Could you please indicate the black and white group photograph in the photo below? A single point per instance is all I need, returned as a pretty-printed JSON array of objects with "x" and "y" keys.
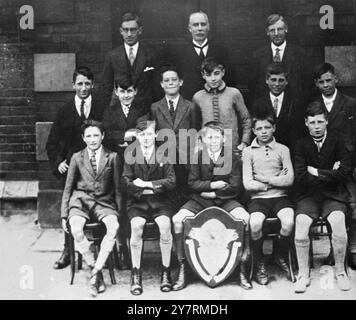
[{"x": 185, "y": 150}]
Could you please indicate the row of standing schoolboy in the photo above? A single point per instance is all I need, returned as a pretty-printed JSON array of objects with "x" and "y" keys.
[{"x": 218, "y": 107}]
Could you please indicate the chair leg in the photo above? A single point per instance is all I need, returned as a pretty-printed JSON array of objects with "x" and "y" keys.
[
  {"x": 72, "y": 258},
  {"x": 311, "y": 254},
  {"x": 80, "y": 261},
  {"x": 251, "y": 264},
  {"x": 116, "y": 257},
  {"x": 290, "y": 264},
  {"x": 111, "y": 263}
]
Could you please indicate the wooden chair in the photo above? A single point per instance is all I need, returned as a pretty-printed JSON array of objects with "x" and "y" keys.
[
  {"x": 94, "y": 232},
  {"x": 271, "y": 227}
]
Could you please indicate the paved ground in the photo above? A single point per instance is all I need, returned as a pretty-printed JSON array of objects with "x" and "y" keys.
[{"x": 27, "y": 254}]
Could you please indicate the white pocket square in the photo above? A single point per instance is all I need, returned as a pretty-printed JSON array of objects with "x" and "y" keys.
[{"x": 148, "y": 69}]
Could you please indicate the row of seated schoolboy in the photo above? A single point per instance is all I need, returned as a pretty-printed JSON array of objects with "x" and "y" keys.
[{"x": 217, "y": 107}]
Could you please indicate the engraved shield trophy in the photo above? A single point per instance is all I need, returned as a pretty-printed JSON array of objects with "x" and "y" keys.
[{"x": 213, "y": 243}]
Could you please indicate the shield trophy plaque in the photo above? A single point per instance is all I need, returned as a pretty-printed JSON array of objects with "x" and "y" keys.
[{"x": 214, "y": 242}]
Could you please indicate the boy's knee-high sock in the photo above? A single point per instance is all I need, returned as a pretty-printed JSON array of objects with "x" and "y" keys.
[
  {"x": 339, "y": 245},
  {"x": 105, "y": 248},
  {"x": 84, "y": 248},
  {"x": 165, "y": 243},
  {"x": 180, "y": 246},
  {"x": 302, "y": 247},
  {"x": 136, "y": 250}
]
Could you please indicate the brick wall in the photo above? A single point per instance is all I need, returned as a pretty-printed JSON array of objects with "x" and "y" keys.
[
  {"x": 17, "y": 113},
  {"x": 90, "y": 29}
]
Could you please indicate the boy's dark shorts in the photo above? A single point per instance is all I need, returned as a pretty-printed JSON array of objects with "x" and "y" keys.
[
  {"x": 195, "y": 207},
  {"x": 316, "y": 206},
  {"x": 269, "y": 206},
  {"x": 144, "y": 210},
  {"x": 98, "y": 213}
]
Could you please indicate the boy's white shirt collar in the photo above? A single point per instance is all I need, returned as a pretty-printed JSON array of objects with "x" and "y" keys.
[
  {"x": 175, "y": 101},
  {"x": 214, "y": 155},
  {"x": 97, "y": 156},
  {"x": 322, "y": 141},
  {"x": 134, "y": 47},
  {"x": 149, "y": 152},
  {"x": 281, "y": 48},
  {"x": 87, "y": 105},
  {"x": 205, "y": 49},
  {"x": 280, "y": 101},
  {"x": 126, "y": 109},
  {"x": 329, "y": 102}
]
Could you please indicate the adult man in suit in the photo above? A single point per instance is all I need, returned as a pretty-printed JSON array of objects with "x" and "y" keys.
[
  {"x": 65, "y": 136},
  {"x": 341, "y": 110},
  {"x": 322, "y": 164},
  {"x": 196, "y": 51},
  {"x": 92, "y": 193},
  {"x": 134, "y": 58},
  {"x": 279, "y": 50},
  {"x": 288, "y": 110}
]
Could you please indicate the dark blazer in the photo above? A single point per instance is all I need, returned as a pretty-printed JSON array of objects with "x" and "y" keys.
[
  {"x": 160, "y": 173},
  {"x": 143, "y": 73},
  {"x": 293, "y": 58},
  {"x": 290, "y": 122},
  {"x": 342, "y": 119},
  {"x": 84, "y": 189},
  {"x": 116, "y": 123},
  {"x": 187, "y": 116},
  {"x": 189, "y": 63},
  {"x": 65, "y": 136},
  {"x": 329, "y": 182},
  {"x": 206, "y": 171}
]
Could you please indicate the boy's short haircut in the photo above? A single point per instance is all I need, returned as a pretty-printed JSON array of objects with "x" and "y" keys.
[
  {"x": 214, "y": 125},
  {"x": 145, "y": 124},
  {"x": 276, "y": 68},
  {"x": 92, "y": 123},
  {"x": 315, "y": 108},
  {"x": 273, "y": 18},
  {"x": 168, "y": 67},
  {"x": 323, "y": 68},
  {"x": 84, "y": 71},
  {"x": 261, "y": 116},
  {"x": 124, "y": 82},
  {"x": 130, "y": 16},
  {"x": 209, "y": 64}
]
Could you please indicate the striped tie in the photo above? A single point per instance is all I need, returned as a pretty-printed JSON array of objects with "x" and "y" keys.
[
  {"x": 171, "y": 109},
  {"x": 93, "y": 161},
  {"x": 277, "y": 56},
  {"x": 82, "y": 114}
]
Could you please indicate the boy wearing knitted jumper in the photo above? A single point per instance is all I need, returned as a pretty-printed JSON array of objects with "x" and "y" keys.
[
  {"x": 217, "y": 102},
  {"x": 267, "y": 173}
]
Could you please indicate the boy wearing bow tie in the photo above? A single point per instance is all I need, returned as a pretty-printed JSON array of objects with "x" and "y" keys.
[{"x": 92, "y": 193}]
